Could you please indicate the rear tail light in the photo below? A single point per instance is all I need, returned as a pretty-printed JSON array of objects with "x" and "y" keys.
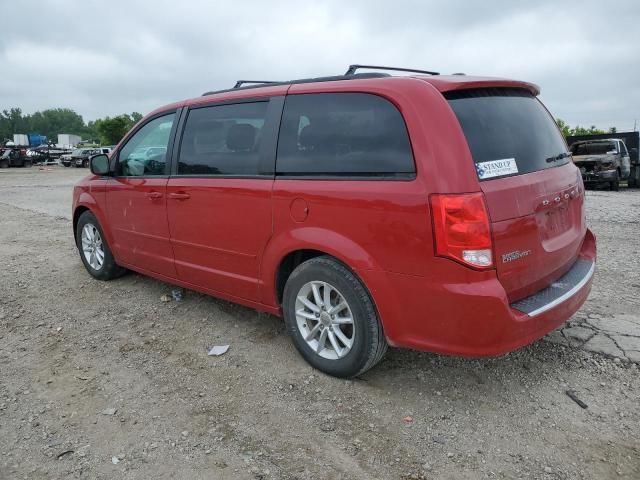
[{"x": 461, "y": 228}]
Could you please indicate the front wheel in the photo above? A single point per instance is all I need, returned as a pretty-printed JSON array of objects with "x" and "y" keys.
[
  {"x": 614, "y": 185},
  {"x": 27, "y": 164},
  {"x": 331, "y": 318},
  {"x": 4, "y": 163},
  {"x": 94, "y": 250},
  {"x": 85, "y": 163}
]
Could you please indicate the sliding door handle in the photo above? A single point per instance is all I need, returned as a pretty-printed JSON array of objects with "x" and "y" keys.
[
  {"x": 154, "y": 195},
  {"x": 179, "y": 196}
]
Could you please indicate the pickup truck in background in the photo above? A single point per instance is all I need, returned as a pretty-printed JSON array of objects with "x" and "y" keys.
[
  {"x": 603, "y": 161},
  {"x": 11, "y": 156},
  {"x": 596, "y": 153},
  {"x": 80, "y": 157}
]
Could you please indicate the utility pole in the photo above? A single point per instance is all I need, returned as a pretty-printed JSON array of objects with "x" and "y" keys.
[{"x": 635, "y": 124}]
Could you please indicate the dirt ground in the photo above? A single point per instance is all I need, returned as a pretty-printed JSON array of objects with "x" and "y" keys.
[{"x": 103, "y": 380}]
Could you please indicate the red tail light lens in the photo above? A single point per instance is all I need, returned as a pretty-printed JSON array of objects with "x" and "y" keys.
[{"x": 461, "y": 228}]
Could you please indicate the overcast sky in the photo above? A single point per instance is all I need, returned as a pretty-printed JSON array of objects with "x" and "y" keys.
[{"x": 109, "y": 57}]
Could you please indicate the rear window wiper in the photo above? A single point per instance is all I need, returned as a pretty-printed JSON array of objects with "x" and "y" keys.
[{"x": 560, "y": 156}]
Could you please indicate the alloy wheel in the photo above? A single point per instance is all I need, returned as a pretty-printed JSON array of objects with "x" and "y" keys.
[
  {"x": 92, "y": 247},
  {"x": 325, "y": 320}
]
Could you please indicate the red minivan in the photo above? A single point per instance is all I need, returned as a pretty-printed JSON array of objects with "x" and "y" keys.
[{"x": 433, "y": 212}]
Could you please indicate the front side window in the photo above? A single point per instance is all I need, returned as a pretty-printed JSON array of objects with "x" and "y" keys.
[
  {"x": 623, "y": 149},
  {"x": 223, "y": 140},
  {"x": 350, "y": 134},
  {"x": 145, "y": 153}
]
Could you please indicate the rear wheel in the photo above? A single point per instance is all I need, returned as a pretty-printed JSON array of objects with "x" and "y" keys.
[
  {"x": 331, "y": 318},
  {"x": 94, "y": 250},
  {"x": 4, "y": 163},
  {"x": 85, "y": 163},
  {"x": 27, "y": 164}
]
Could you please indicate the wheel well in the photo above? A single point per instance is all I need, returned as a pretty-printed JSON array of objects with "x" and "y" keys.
[
  {"x": 76, "y": 215},
  {"x": 289, "y": 264}
]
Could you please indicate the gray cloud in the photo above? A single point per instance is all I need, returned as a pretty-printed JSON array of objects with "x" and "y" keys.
[{"x": 104, "y": 58}]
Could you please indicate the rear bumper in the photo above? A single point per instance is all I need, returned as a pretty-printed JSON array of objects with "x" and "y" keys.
[{"x": 474, "y": 318}]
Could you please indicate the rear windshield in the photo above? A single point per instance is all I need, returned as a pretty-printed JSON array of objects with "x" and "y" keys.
[
  {"x": 509, "y": 131},
  {"x": 594, "y": 148}
]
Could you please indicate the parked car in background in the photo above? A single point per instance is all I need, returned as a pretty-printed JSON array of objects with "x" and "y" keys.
[
  {"x": 433, "y": 212},
  {"x": 80, "y": 157},
  {"x": 65, "y": 159},
  {"x": 602, "y": 162}
]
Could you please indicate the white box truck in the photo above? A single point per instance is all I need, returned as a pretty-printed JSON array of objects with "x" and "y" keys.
[
  {"x": 20, "y": 139},
  {"x": 66, "y": 140}
]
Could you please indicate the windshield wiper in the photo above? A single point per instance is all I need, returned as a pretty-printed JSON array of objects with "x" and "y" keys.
[{"x": 560, "y": 156}]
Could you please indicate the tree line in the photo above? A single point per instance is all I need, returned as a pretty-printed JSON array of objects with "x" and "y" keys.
[
  {"x": 567, "y": 131},
  {"x": 51, "y": 122}
]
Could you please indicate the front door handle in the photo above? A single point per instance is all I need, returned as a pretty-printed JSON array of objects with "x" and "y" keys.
[
  {"x": 179, "y": 196},
  {"x": 154, "y": 195}
]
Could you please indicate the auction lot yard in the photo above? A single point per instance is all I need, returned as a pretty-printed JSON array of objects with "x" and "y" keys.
[{"x": 103, "y": 380}]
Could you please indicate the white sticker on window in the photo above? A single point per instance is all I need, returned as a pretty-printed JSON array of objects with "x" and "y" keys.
[{"x": 496, "y": 168}]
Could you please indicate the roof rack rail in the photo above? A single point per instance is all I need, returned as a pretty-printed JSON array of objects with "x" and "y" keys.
[
  {"x": 352, "y": 69},
  {"x": 334, "y": 78},
  {"x": 239, "y": 83}
]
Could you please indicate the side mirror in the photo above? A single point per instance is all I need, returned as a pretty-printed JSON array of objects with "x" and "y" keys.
[{"x": 99, "y": 164}]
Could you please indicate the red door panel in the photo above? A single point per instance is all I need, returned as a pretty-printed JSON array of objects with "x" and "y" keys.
[
  {"x": 137, "y": 213},
  {"x": 219, "y": 227}
]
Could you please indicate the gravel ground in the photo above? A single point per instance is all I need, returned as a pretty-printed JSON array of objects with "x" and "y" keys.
[{"x": 103, "y": 380}]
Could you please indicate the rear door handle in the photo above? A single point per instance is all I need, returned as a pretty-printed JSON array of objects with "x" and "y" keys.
[
  {"x": 154, "y": 195},
  {"x": 179, "y": 196}
]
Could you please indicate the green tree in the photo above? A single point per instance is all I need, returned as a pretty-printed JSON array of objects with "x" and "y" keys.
[
  {"x": 12, "y": 121},
  {"x": 111, "y": 130},
  {"x": 53, "y": 121},
  {"x": 135, "y": 118},
  {"x": 564, "y": 128},
  {"x": 578, "y": 130}
]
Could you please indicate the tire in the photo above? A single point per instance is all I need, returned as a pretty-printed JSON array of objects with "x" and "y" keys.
[
  {"x": 108, "y": 269},
  {"x": 614, "y": 185},
  {"x": 4, "y": 164},
  {"x": 85, "y": 163},
  {"x": 27, "y": 164},
  {"x": 368, "y": 344},
  {"x": 67, "y": 165}
]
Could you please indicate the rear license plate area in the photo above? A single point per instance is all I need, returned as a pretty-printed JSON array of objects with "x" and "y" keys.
[{"x": 556, "y": 221}]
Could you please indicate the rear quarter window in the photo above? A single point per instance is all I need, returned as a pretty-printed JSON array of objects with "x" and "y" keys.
[
  {"x": 343, "y": 134},
  {"x": 509, "y": 125}
]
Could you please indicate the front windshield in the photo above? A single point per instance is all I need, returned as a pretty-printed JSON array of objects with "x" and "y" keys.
[
  {"x": 593, "y": 148},
  {"x": 77, "y": 152}
]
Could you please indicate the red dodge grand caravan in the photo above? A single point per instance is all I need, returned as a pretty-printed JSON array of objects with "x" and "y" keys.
[{"x": 433, "y": 212}]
